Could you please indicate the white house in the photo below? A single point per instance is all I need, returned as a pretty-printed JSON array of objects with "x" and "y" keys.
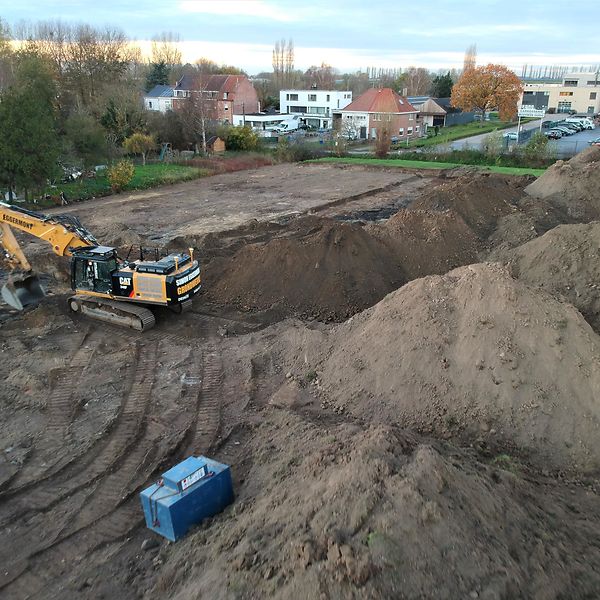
[
  {"x": 159, "y": 98},
  {"x": 313, "y": 106}
]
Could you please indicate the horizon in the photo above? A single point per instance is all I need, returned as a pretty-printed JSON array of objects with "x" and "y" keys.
[{"x": 243, "y": 32}]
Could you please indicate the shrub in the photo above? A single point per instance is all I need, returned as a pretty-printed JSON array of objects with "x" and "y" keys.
[
  {"x": 240, "y": 138},
  {"x": 537, "y": 146},
  {"x": 297, "y": 152},
  {"x": 120, "y": 174}
]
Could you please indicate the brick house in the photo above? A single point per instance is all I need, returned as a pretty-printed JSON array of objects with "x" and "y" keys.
[
  {"x": 376, "y": 110},
  {"x": 226, "y": 95}
]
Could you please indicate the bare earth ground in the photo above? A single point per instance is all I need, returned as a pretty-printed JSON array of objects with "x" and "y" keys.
[{"x": 442, "y": 444}]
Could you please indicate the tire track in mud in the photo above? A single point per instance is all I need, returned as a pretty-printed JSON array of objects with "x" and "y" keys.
[
  {"x": 111, "y": 511},
  {"x": 61, "y": 408},
  {"x": 49, "y": 494}
]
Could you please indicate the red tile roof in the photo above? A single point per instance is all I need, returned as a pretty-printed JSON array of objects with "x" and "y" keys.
[{"x": 380, "y": 100}]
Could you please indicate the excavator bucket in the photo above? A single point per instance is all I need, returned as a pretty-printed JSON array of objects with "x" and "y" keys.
[{"x": 22, "y": 291}]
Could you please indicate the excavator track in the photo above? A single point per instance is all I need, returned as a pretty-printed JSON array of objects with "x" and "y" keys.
[{"x": 112, "y": 311}]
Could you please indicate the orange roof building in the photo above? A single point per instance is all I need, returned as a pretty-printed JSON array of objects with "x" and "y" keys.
[{"x": 376, "y": 110}]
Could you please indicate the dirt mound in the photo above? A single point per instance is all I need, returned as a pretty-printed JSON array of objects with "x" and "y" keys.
[
  {"x": 479, "y": 200},
  {"x": 573, "y": 185},
  {"x": 352, "y": 513},
  {"x": 324, "y": 269},
  {"x": 474, "y": 354},
  {"x": 427, "y": 242},
  {"x": 566, "y": 262}
]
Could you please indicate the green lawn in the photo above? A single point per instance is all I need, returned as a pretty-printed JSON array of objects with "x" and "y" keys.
[
  {"x": 421, "y": 164},
  {"x": 145, "y": 177},
  {"x": 458, "y": 132}
]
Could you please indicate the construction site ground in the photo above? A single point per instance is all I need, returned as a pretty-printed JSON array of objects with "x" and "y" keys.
[{"x": 401, "y": 368}]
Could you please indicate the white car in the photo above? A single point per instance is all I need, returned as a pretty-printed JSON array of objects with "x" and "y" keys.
[{"x": 511, "y": 135}]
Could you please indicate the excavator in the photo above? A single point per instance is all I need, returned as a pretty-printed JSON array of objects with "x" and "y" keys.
[{"x": 106, "y": 287}]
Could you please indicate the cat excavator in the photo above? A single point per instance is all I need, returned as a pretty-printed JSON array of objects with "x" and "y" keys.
[{"x": 106, "y": 287}]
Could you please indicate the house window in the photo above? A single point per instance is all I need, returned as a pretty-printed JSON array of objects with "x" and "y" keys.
[
  {"x": 564, "y": 106},
  {"x": 149, "y": 104},
  {"x": 417, "y": 128},
  {"x": 225, "y": 95},
  {"x": 592, "y": 95},
  {"x": 401, "y": 131},
  {"x": 292, "y": 96},
  {"x": 565, "y": 93},
  {"x": 312, "y": 97},
  {"x": 411, "y": 117},
  {"x": 592, "y": 82},
  {"x": 409, "y": 131},
  {"x": 571, "y": 82},
  {"x": 297, "y": 109},
  {"x": 327, "y": 97}
]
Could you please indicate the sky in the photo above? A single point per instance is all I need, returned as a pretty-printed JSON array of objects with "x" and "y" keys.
[{"x": 348, "y": 35}]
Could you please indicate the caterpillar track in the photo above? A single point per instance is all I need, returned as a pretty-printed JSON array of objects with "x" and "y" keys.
[{"x": 114, "y": 312}]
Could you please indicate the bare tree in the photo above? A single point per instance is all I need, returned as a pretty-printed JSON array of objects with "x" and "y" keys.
[
  {"x": 283, "y": 63},
  {"x": 165, "y": 48},
  {"x": 470, "y": 61},
  {"x": 5, "y": 55},
  {"x": 199, "y": 110},
  {"x": 417, "y": 81},
  {"x": 322, "y": 78}
]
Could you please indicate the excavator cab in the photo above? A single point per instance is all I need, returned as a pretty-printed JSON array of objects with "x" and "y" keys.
[
  {"x": 92, "y": 269},
  {"x": 22, "y": 290}
]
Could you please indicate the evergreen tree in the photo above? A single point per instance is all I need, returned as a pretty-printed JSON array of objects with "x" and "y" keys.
[
  {"x": 442, "y": 86},
  {"x": 158, "y": 75},
  {"x": 29, "y": 145}
]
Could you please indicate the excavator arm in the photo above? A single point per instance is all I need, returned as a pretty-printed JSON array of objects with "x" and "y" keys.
[{"x": 63, "y": 232}]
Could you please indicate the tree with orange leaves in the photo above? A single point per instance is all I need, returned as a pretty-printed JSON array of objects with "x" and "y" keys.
[{"x": 488, "y": 87}]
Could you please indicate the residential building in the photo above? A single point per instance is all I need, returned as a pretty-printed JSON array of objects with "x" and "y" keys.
[
  {"x": 314, "y": 107},
  {"x": 225, "y": 95},
  {"x": 376, "y": 110},
  {"x": 159, "y": 98},
  {"x": 430, "y": 111},
  {"x": 579, "y": 92}
]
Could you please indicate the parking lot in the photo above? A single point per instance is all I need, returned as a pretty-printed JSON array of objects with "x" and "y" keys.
[{"x": 572, "y": 144}]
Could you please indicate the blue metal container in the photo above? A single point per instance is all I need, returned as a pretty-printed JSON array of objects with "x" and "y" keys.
[{"x": 193, "y": 490}]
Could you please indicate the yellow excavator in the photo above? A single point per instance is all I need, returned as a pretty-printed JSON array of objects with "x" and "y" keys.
[{"x": 106, "y": 287}]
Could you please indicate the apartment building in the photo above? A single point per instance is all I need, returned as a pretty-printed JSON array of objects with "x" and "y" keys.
[{"x": 314, "y": 107}]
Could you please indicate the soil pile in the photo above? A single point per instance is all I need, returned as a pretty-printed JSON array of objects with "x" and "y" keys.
[
  {"x": 566, "y": 262},
  {"x": 474, "y": 355},
  {"x": 480, "y": 200},
  {"x": 347, "y": 512},
  {"x": 428, "y": 243},
  {"x": 324, "y": 269},
  {"x": 573, "y": 185}
]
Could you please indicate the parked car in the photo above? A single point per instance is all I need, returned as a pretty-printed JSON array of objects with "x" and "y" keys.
[
  {"x": 565, "y": 130},
  {"x": 595, "y": 142},
  {"x": 511, "y": 135},
  {"x": 553, "y": 134},
  {"x": 546, "y": 124}
]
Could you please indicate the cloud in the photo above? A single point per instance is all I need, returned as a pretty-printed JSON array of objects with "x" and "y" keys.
[{"x": 235, "y": 8}]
